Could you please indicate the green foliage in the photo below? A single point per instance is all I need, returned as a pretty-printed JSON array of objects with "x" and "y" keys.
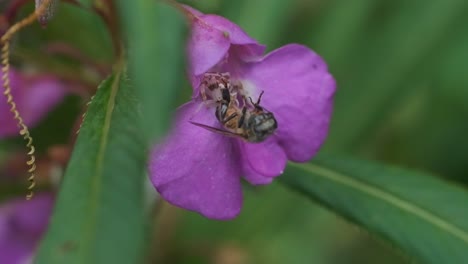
[
  {"x": 93, "y": 40},
  {"x": 99, "y": 214},
  {"x": 421, "y": 214},
  {"x": 391, "y": 50},
  {"x": 265, "y": 18},
  {"x": 86, "y": 3},
  {"x": 154, "y": 32},
  {"x": 104, "y": 177},
  {"x": 400, "y": 68}
]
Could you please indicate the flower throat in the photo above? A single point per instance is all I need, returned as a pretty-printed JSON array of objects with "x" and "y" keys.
[{"x": 238, "y": 114}]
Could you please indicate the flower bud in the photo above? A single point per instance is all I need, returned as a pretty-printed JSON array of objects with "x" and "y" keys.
[{"x": 45, "y": 15}]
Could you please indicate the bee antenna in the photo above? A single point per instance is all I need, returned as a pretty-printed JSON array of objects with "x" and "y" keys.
[
  {"x": 257, "y": 104},
  {"x": 259, "y": 98},
  {"x": 251, "y": 101}
]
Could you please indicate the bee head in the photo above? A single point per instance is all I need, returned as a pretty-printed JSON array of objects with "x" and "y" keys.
[{"x": 261, "y": 126}]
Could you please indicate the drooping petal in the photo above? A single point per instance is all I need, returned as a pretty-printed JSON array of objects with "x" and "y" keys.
[
  {"x": 198, "y": 169},
  {"x": 267, "y": 158},
  {"x": 22, "y": 224},
  {"x": 299, "y": 92},
  {"x": 34, "y": 98}
]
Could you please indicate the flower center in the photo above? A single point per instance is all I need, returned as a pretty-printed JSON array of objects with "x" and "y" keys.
[
  {"x": 216, "y": 86},
  {"x": 236, "y": 111}
]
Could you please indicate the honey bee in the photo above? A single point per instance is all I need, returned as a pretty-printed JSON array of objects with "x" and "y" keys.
[{"x": 248, "y": 120}]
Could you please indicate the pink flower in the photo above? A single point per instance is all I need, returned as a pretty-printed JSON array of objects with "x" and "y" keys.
[
  {"x": 22, "y": 224},
  {"x": 201, "y": 170},
  {"x": 34, "y": 96}
]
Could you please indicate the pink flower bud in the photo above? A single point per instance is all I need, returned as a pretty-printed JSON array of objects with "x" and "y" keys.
[{"x": 48, "y": 13}]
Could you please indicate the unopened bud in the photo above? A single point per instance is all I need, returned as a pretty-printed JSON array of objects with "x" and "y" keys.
[{"x": 45, "y": 13}]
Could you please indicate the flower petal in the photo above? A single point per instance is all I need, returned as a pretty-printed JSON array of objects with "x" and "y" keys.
[
  {"x": 267, "y": 158},
  {"x": 254, "y": 177},
  {"x": 43, "y": 95},
  {"x": 206, "y": 47},
  {"x": 40, "y": 207},
  {"x": 197, "y": 169},
  {"x": 211, "y": 38},
  {"x": 34, "y": 98},
  {"x": 299, "y": 92},
  {"x": 246, "y": 48},
  {"x": 235, "y": 33},
  {"x": 22, "y": 224}
]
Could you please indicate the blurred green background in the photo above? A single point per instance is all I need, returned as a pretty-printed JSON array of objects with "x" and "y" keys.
[{"x": 402, "y": 99}]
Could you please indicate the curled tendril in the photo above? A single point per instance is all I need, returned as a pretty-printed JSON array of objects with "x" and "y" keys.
[{"x": 5, "y": 60}]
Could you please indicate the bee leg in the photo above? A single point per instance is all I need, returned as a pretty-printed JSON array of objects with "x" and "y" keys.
[
  {"x": 229, "y": 118},
  {"x": 242, "y": 118},
  {"x": 226, "y": 95}
]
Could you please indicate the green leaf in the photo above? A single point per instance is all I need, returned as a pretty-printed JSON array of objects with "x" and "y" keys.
[
  {"x": 266, "y": 19},
  {"x": 341, "y": 23},
  {"x": 155, "y": 35},
  {"x": 375, "y": 66},
  {"x": 93, "y": 42},
  {"x": 99, "y": 216},
  {"x": 86, "y": 3},
  {"x": 420, "y": 214}
]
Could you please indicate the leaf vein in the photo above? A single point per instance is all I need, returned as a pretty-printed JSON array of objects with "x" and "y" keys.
[
  {"x": 97, "y": 178},
  {"x": 389, "y": 198}
]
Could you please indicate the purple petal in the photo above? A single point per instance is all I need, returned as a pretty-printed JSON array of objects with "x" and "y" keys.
[
  {"x": 246, "y": 53},
  {"x": 206, "y": 47},
  {"x": 252, "y": 176},
  {"x": 43, "y": 95},
  {"x": 33, "y": 216},
  {"x": 299, "y": 91},
  {"x": 267, "y": 158},
  {"x": 34, "y": 98},
  {"x": 211, "y": 38},
  {"x": 197, "y": 169},
  {"x": 245, "y": 48},
  {"x": 235, "y": 33},
  {"x": 22, "y": 224}
]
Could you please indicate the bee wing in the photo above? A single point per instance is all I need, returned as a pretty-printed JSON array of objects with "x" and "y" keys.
[{"x": 217, "y": 130}]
